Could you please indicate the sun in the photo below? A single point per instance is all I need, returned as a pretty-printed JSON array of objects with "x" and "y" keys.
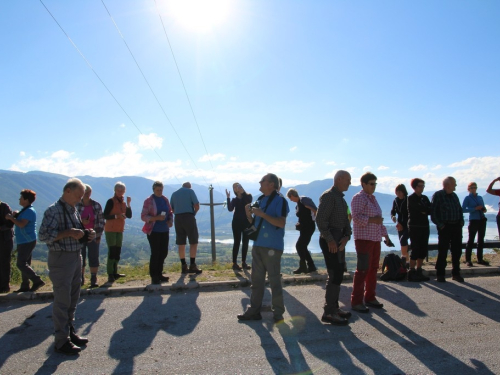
[{"x": 199, "y": 15}]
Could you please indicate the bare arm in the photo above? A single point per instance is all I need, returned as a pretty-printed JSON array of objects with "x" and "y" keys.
[{"x": 490, "y": 189}]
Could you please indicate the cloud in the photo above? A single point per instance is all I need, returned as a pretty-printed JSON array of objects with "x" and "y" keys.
[
  {"x": 419, "y": 167},
  {"x": 61, "y": 154},
  {"x": 150, "y": 141},
  {"x": 294, "y": 148},
  {"x": 213, "y": 157},
  {"x": 367, "y": 168},
  {"x": 123, "y": 125},
  {"x": 382, "y": 168},
  {"x": 331, "y": 163},
  {"x": 22, "y": 153},
  {"x": 435, "y": 168}
]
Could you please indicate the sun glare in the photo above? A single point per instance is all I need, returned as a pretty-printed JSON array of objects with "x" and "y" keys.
[{"x": 199, "y": 15}]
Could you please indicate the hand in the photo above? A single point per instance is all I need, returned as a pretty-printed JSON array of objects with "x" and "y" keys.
[
  {"x": 393, "y": 219},
  {"x": 228, "y": 194},
  {"x": 170, "y": 223},
  {"x": 479, "y": 208},
  {"x": 76, "y": 233},
  {"x": 92, "y": 235},
  {"x": 399, "y": 227},
  {"x": 332, "y": 247},
  {"x": 128, "y": 201},
  {"x": 9, "y": 217},
  {"x": 257, "y": 212},
  {"x": 123, "y": 216}
]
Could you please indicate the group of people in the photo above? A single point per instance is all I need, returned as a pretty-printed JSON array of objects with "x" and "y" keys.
[{"x": 73, "y": 226}]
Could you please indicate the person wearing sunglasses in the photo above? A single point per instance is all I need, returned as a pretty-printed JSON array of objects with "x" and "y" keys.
[{"x": 474, "y": 205}]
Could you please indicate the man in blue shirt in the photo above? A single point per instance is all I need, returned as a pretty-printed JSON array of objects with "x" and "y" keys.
[
  {"x": 270, "y": 220},
  {"x": 185, "y": 205}
]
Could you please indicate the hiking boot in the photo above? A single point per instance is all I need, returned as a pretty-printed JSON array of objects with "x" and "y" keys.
[
  {"x": 37, "y": 285},
  {"x": 376, "y": 304},
  {"x": 22, "y": 290},
  {"x": 194, "y": 269},
  {"x": 164, "y": 278},
  {"x": 92, "y": 286},
  {"x": 77, "y": 340},
  {"x": 468, "y": 263},
  {"x": 483, "y": 262},
  {"x": 311, "y": 269},
  {"x": 118, "y": 275},
  {"x": 334, "y": 319},
  {"x": 249, "y": 317},
  {"x": 421, "y": 276},
  {"x": 111, "y": 278},
  {"x": 441, "y": 279},
  {"x": 236, "y": 267},
  {"x": 184, "y": 268},
  {"x": 458, "y": 278},
  {"x": 68, "y": 348},
  {"x": 245, "y": 266},
  {"x": 360, "y": 308},
  {"x": 302, "y": 268},
  {"x": 412, "y": 275},
  {"x": 343, "y": 314}
]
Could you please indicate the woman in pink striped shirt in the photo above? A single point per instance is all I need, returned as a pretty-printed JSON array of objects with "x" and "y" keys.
[{"x": 368, "y": 231}]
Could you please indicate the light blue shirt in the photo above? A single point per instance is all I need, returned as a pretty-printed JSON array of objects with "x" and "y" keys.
[
  {"x": 270, "y": 235},
  {"x": 28, "y": 233},
  {"x": 183, "y": 200}
]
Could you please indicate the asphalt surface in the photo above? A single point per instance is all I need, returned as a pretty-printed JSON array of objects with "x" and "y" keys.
[{"x": 427, "y": 328}]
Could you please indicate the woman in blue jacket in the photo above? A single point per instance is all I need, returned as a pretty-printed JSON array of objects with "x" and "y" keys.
[{"x": 474, "y": 205}]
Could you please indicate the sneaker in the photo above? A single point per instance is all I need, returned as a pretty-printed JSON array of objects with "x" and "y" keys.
[
  {"x": 164, "y": 279},
  {"x": 194, "y": 269},
  {"x": 360, "y": 308},
  {"x": 249, "y": 317},
  {"x": 118, "y": 275},
  {"x": 37, "y": 285},
  {"x": 92, "y": 286},
  {"x": 334, "y": 319},
  {"x": 311, "y": 269},
  {"x": 458, "y": 278},
  {"x": 412, "y": 275},
  {"x": 22, "y": 290},
  {"x": 375, "y": 304},
  {"x": 278, "y": 319},
  {"x": 68, "y": 348},
  {"x": 344, "y": 314},
  {"x": 184, "y": 268},
  {"x": 246, "y": 266},
  {"x": 77, "y": 340},
  {"x": 469, "y": 264},
  {"x": 111, "y": 278},
  {"x": 421, "y": 276},
  {"x": 155, "y": 282},
  {"x": 236, "y": 267},
  {"x": 483, "y": 262},
  {"x": 441, "y": 279}
]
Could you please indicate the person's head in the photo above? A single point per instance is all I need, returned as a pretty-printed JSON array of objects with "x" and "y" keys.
[
  {"x": 73, "y": 191},
  {"x": 293, "y": 195},
  {"x": 418, "y": 185},
  {"x": 472, "y": 188},
  {"x": 120, "y": 189},
  {"x": 449, "y": 184},
  {"x": 269, "y": 183},
  {"x": 368, "y": 182},
  {"x": 88, "y": 192},
  {"x": 27, "y": 197},
  {"x": 158, "y": 188},
  {"x": 342, "y": 180},
  {"x": 238, "y": 189},
  {"x": 186, "y": 185},
  {"x": 401, "y": 191}
]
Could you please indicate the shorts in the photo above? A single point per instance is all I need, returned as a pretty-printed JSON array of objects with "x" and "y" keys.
[
  {"x": 185, "y": 226},
  {"x": 403, "y": 237},
  {"x": 93, "y": 252}
]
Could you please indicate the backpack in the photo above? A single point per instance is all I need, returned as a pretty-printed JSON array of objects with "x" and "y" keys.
[{"x": 393, "y": 268}]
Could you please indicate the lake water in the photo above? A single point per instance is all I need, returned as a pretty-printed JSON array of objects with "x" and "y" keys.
[{"x": 291, "y": 237}]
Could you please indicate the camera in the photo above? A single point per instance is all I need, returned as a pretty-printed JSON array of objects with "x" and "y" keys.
[
  {"x": 85, "y": 238},
  {"x": 255, "y": 204}
]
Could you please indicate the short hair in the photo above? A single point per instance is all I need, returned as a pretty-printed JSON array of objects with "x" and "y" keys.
[
  {"x": 415, "y": 181},
  {"x": 28, "y": 195},
  {"x": 274, "y": 179},
  {"x": 187, "y": 185},
  {"x": 157, "y": 183},
  {"x": 367, "y": 177},
  {"x": 401, "y": 188},
  {"x": 470, "y": 184},
  {"x": 88, "y": 187},
  {"x": 340, "y": 173},
  {"x": 119, "y": 185},
  {"x": 292, "y": 192},
  {"x": 448, "y": 179},
  {"x": 73, "y": 183}
]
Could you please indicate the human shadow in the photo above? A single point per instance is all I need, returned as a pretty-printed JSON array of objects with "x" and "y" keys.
[{"x": 178, "y": 316}]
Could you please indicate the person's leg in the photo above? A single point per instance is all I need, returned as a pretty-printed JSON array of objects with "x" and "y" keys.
[
  {"x": 358, "y": 284},
  {"x": 335, "y": 277},
  {"x": 371, "y": 276},
  {"x": 443, "y": 244},
  {"x": 473, "y": 228},
  {"x": 301, "y": 247},
  {"x": 6, "y": 245},
  {"x": 456, "y": 248},
  {"x": 272, "y": 258},
  {"x": 236, "y": 240},
  {"x": 84, "y": 260},
  {"x": 118, "y": 254},
  {"x": 164, "y": 240},
  {"x": 93, "y": 255},
  {"x": 24, "y": 252},
  {"x": 244, "y": 244},
  {"x": 481, "y": 232},
  {"x": 154, "y": 259},
  {"x": 111, "y": 242},
  {"x": 258, "y": 279},
  {"x": 74, "y": 265}
]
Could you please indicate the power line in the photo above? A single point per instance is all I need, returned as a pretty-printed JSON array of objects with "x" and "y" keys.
[
  {"x": 102, "y": 82},
  {"x": 187, "y": 96},
  {"x": 151, "y": 89}
]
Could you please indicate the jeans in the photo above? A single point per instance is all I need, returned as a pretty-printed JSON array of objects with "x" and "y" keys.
[
  {"x": 158, "y": 241},
  {"x": 335, "y": 270},
  {"x": 365, "y": 276},
  {"x": 24, "y": 252},
  {"x": 238, "y": 234},
  {"x": 303, "y": 242},
  {"x": 475, "y": 227}
]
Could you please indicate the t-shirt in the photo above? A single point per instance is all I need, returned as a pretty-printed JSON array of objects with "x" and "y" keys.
[
  {"x": 161, "y": 206},
  {"x": 270, "y": 235},
  {"x": 88, "y": 213},
  {"x": 28, "y": 233},
  {"x": 182, "y": 201}
]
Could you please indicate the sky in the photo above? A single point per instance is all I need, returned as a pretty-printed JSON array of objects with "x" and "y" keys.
[{"x": 215, "y": 92}]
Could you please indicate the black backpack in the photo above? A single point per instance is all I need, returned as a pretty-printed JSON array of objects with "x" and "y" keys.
[{"x": 393, "y": 268}]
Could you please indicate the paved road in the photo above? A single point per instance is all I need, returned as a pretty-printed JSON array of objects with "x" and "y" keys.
[{"x": 429, "y": 328}]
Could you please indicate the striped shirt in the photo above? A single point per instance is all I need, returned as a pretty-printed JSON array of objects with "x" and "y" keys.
[
  {"x": 365, "y": 206},
  {"x": 59, "y": 217}
]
